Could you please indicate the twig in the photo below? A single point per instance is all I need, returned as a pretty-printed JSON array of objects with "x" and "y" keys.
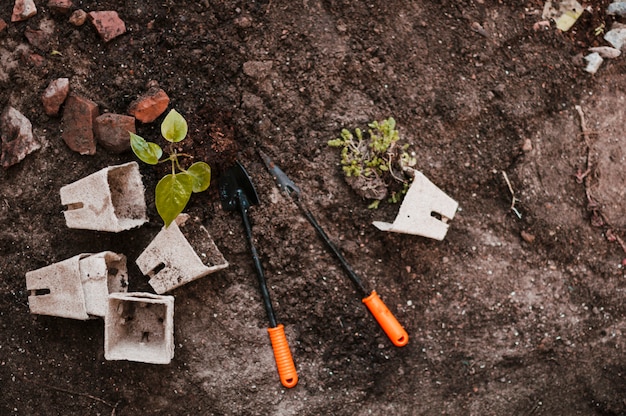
[
  {"x": 73, "y": 393},
  {"x": 513, "y": 199},
  {"x": 598, "y": 217},
  {"x": 584, "y": 176}
]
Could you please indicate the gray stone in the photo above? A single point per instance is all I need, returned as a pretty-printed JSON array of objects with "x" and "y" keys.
[
  {"x": 617, "y": 8},
  {"x": 616, "y": 37}
]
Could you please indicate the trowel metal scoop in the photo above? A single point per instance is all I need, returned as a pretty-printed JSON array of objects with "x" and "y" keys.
[
  {"x": 387, "y": 321},
  {"x": 237, "y": 193}
]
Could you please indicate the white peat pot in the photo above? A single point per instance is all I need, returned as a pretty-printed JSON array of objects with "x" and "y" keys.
[
  {"x": 111, "y": 199},
  {"x": 171, "y": 261},
  {"x": 139, "y": 327},
  {"x": 421, "y": 205},
  {"x": 77, "y": 287}
]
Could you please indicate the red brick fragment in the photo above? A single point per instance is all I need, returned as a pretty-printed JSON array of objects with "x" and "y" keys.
[
  {"x": 108, "y": 24},
  {"x": 60, "y": 6},
  {"x": 54, "y": 96},
  {"x": 23, "y": 9},
  {"x": 150, "y": 105},
  {"x": 78, "y": 119}
]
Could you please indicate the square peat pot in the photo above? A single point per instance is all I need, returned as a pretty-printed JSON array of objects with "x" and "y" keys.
[
  {"x": 77, "y": 287},
  {"x": 111, "y": 199},
  {"x": 170, "y": 260},
  {"x": 139, "y": 327}
]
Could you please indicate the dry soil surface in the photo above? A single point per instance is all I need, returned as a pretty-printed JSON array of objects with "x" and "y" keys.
[{"x": 518, "y": 311}]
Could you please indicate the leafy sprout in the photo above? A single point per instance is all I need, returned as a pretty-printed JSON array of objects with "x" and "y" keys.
[
  {"x": 373, "y": 161},
  {"x": 174, "y": 190}
]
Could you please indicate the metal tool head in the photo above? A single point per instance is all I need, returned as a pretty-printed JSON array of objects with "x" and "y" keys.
[
  {"x": 283, "y": 182},
  {"x": 236, "y": 188}
]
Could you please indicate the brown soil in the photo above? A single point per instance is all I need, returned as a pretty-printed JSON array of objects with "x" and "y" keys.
[{"x": 509, "y": 315}]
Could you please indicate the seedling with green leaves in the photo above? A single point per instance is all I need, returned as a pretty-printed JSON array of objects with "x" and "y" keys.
[
  {"x": 173, "y": 190},
  {"x": 373, "y": 162}
]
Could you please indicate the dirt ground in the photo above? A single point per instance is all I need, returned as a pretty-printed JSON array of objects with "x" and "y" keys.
[{"x": 516, "y": 312}]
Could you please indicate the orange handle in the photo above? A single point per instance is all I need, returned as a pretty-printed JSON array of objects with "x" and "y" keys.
[
  {"x": 386, "y": 320},
  {"x": 282, "y": 354}
]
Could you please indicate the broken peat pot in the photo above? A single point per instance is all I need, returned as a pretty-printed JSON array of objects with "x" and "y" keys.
[
  {"x": 418, "y": 213},
  {"x": 385, "y": 318},
  {"x": 237, "y": 193}
]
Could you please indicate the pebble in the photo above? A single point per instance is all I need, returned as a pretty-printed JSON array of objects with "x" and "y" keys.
[
  {"x": 3, "y": 25},
  {"x": 78, "y": 117},
  {"x": 112, "y": 131},
  {"x": 243, "y": 22},
  {"x": 528, "y": 237},
  {"x": 78, "y": 18},
  {"x": 23, "y": 9},
  {"x": 150, "y": 105},
  {"x": 38, "y": 38},
  {"x": 594, "y": 60},
  {"x": 60, "y": 6},
  {"x": 527, "y": 146},
  {"x": 108, "y": 24},
  {"x": 54, "y": 96},
  {"x": 17, "y": 137}
]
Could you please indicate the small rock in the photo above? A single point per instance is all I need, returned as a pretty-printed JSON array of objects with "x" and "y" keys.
[
  {"x": 78, "y": 118},
  {"x": 54, "y": 96},
  {"x": 78, "y": 18},
  {"x": 3, "y": 25},
  {"x": 616, "y": 37},
  {"x": 60, "y": 6},
  {"x": 617, "y": 8},
  {"x": 112, "y": 131},
  {"x": 257, "y": 69},
  {"x": 108, "y": 24},
  {"x": 527, "y": 145},
  {"x": 528, "y": 237},
  {"x": 17, "y": 137},
  {"x": 606, "y": 51},
  {"x": 38, "y": 38},
  {"x": 34, "y": 59},
  {"x": 243, "y": 22},
  {"x": 594, "y": 60},
  {"x": 23, "y": 9},
  {"x": 150, "y": 105}
]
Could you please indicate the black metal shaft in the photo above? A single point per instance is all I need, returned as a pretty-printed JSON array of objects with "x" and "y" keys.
[
  {"x": 346, "y": 266},
  {"x": 265, "y": 294}
]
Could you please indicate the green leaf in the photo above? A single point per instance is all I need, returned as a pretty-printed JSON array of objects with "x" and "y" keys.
[
  {"x": 201, "y": 174},
  {"x": 147, "y": 152},
  {"x": 172, "y": 194},
  {"x": 174, "y": 127}
]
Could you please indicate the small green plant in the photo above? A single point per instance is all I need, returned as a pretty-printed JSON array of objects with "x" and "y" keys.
[
  {"x": 173, "y": 190},
  {"x": 372, "y": 161}
]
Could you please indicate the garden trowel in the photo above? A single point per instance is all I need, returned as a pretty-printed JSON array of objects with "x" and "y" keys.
[
  {"x": 237, "y": 193},
  {"x": 374, "y": 303}
]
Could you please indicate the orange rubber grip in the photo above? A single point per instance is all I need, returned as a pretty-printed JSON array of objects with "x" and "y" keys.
[
  {"x": 386, "y": 320},
  {"x": 282, "y": 354}
]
